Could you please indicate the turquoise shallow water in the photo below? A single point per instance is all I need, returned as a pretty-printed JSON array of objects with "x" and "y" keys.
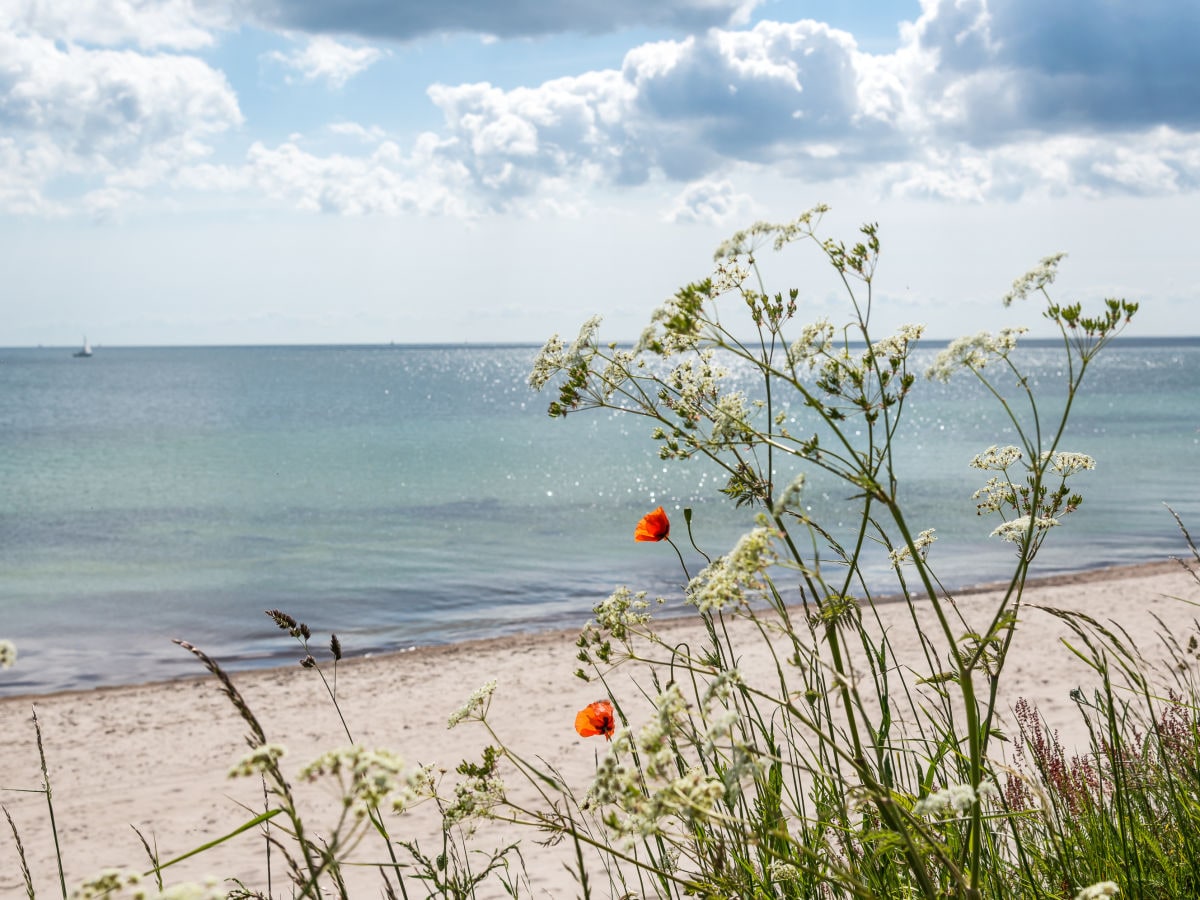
[{"x": 414, "y": 495}]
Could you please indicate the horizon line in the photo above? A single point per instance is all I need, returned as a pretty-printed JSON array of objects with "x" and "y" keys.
[{"x": 485, "y": 344}]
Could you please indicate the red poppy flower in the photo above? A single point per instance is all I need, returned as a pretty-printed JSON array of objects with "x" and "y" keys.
[
  {"x": 655, "y": 526},
  {"x": 596, "y": 718}
]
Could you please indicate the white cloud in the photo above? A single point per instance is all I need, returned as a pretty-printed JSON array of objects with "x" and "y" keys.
[
  {"x": 372, "y": 135},
  {"x": 105, "y": 203},
  {"x": 24, "y": 167},
  {"x": 979, "y": 103},
  {"x": 115, "y": 116},
  {"x": 511, "y": 141},
  {"x": 709, "y": 203},
  {"x": 324, "y": 59},
  {"x": 983, "y": 100},
  {"x": 1160, "y": 162},
  {"x": 178, "y": 24},
  {"x": 385, "y": 182},
  {"x": 797, "y": 94}
]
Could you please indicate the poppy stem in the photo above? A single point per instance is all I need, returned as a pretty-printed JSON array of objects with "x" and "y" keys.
[
  {"x": 687, "y": 520},
  {"x": 681, "y": 562}
]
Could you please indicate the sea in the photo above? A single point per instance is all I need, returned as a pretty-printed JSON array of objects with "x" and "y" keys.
[{"x": 403, "y": 496}]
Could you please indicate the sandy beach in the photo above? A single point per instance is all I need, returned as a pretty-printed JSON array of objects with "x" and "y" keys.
[{"x": 156, "y": 756}]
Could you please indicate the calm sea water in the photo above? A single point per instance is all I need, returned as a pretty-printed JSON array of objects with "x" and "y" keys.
[{"x": 412, "y": 495}]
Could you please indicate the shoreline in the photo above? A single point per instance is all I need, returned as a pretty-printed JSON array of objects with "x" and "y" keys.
[
  {"x": 521, "y": 638},
  {"x": 157, "y": 755}
]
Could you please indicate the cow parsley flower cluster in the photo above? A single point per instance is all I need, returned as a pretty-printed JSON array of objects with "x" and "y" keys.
[
  {"x": 921, "y": 542},
  {"x": 782, "y": 872},
  {"x": 474, "y": 799},
  {"x": 367, "y": 777},
  {"x": 997, "y": 459},
  {"x": 955, "y": 800},
  {"x": 694, "y": 386},
  {"x": 1035, "y": 279},
  {"x": 555, "y": 357},
  {"x": 814, "y": 342},
  {"x": 994, "y": 496},
  {"x": 896, "y": 346},
  {"x": 1000, "y": 494},
  {"x": 1067, "y": 464},
  {"x": 548, "y": 363},
  {"x": 618, "y": 370},
  {"x": 125, "y": 884},
  {"x": 973, "y": 352},
  {"x": 1098, "y": 891},
  {"x": 623, "y": 610},
  {"x": 732, "y": 579},
  {"x": 789, "y": 500},
  {"x": 731, "y": 419},
  {"x": 475, "y": 707},
  {"x": 728, "y": 276},
  {"x": 613, "y": 779},
  {"x": 261, "y": 759},
  {"x": 639, "y": 811},
  {"x": 655, "y": 738},
  {"x": 1014, "y": 530}
]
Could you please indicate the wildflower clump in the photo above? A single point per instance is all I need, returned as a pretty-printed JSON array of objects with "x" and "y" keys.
[
  {"x": 635, "y": 813},
  {"x": 1032, "y": 504},
  {"x": 817, "y": 780},
  {"x": 788, "y": 747}
]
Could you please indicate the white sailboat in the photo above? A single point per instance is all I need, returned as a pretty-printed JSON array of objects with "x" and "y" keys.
[{"x": 87, "y": 348}]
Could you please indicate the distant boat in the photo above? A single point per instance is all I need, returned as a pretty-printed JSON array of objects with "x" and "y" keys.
[{"x": 87, "y": 349}]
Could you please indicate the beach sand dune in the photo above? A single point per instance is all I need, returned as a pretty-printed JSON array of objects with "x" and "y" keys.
[{"x": 156, "y": 756}]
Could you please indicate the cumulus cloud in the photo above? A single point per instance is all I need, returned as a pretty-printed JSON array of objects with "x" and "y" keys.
[
  {"x": 24, "y": 167},
  {"x": 386, "y": 182},
  {"x": 176, "y": 24},
  {"x": 709, "y": 203},
  {"x": 508, "y": 141},
  {"x": 1006, "y": 66},
  {"x": 982, "y": 99},
  {"x": 423, "y": 181},
  {"x": 324, "y": 59},
  {"x": 115, "y": 115},
  {"x": 372, "y": 135},
  {"x": 797, "y": 94},
  {"x": 386, "y": 19},
  {"x": 1161, "y": 161}
]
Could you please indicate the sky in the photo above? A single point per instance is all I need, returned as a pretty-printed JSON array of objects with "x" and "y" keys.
[{"x": 373, "y": 171}]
